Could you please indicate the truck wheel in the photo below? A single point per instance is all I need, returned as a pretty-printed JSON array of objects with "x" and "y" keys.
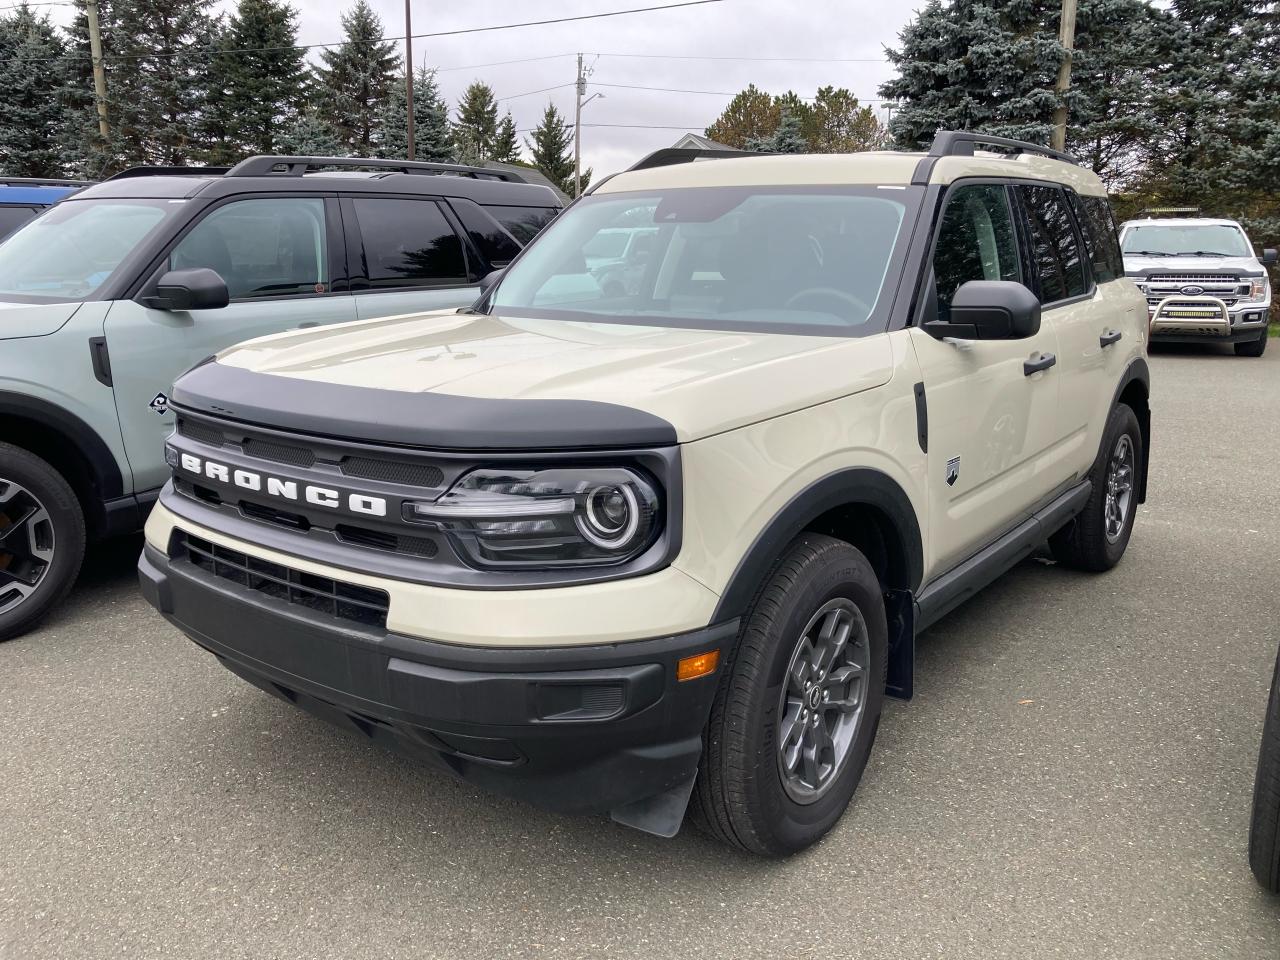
[
  {"x": 1264, "y": 834},
  {"x": 797, "y": 709},
  {"x": 1096, "y": 539},
  {"x": 41, "y": 539},
  {"x": 1252, "y": 348}
]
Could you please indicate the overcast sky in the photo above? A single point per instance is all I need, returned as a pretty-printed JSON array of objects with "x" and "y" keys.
[{"x": 812, "y": 30}]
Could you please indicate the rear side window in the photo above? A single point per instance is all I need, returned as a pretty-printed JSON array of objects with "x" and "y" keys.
[
  {"x": 1100, "y": 241},
  {"x": 1055, "y": 250},
  {"x": 523, "y": 222},
  {"x": 11, "y": 218},
  {"x": 491, "y": 239},
  {"x": 261, "y": 248},
  {"x": 976, "y": 241},
  {"x": 408, "y": 243}
]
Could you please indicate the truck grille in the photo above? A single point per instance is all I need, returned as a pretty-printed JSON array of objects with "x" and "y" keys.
[
  {"x": 344, "y": 601},
  {"x": 1227, "y": 288}
]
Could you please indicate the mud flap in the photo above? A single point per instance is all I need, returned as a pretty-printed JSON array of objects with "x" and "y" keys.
[
  {"x": 900, "y": 608},
  {"x": 661, "y": 814}
]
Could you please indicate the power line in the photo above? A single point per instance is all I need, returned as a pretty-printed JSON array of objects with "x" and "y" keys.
[
  {"x": 674, "y": 56},
  {"x": 502, "y": 63},
  {"x": 709, "y": 93},
  {"x": 517, "y": 96},
  {"x": 396, "y": 39}
]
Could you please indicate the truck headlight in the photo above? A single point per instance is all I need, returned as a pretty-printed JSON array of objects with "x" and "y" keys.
[
  {"x": 560, "y": 516},
  {"x": 1259, "y": 287}
]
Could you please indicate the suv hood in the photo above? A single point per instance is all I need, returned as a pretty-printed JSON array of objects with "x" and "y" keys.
[
  {"x": 699, "y": 381},
  {"x": 1146, "y": 266},
  {"x": 33, "y": 319}
]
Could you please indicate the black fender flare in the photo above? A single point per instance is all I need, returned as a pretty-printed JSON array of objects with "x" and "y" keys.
[
  {"x": 1139, "y": 371},
  {"x": 93, "y": 451},
  {"x": 850, "y": 487}
]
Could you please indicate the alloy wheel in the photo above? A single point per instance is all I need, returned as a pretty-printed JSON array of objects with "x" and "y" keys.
[
  {"x": 822, "y": 700},
  {"x": 1119, "y": 498},
  {"x": 26, "y": 544}
]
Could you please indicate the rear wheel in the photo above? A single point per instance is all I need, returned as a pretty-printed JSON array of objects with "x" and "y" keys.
[
  {"x": 1264, "y": 834},
  {"x": 41, "y": 539},
  {"x": 796, "y": 714},
  {"x": 1253, "y": 348},
  {"x": 1096, "y": 539}
]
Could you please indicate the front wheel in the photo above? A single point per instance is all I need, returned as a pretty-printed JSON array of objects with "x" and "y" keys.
[
  {"x": 1096, "y": 539},
  {"x": 796, "y": 713},
  {"x": 41, "y": 539},
  {"x": 1253, "y": 348},
  {"x": 1264, "y": 834}
]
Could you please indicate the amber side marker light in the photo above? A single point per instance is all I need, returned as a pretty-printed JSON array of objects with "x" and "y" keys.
[{"x": 699, "y": 665}]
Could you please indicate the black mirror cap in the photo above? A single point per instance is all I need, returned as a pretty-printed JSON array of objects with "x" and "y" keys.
[
  {"x": 995, "y": 310},
  {"x": 196, "y": 289},
  {"x": 1269, "y": 256}
]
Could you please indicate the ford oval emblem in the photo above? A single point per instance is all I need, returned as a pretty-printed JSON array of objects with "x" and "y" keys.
[{"x": 1191, "y": 290}]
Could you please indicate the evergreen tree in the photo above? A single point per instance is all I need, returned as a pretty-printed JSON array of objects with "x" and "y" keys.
[
  {"x": 551, "y": 151},
  {"x": 788, "y": 138},
  {"x": 431, "y": 138},
  {"x": 476, "y": 129},
  {"x": 506, "y": 148},
  {"x": 84, "y": 152},
  {"x": 32, "y": 80},
  {"x": 264, "y": 76},
  {"x": 356, "y": 78},
  {"x": 310, "y": 135}
]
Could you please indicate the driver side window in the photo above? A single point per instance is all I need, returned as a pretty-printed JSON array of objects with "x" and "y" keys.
[
  {"x": 976, "y": 241},
  {"x": 261, "y": 248}
]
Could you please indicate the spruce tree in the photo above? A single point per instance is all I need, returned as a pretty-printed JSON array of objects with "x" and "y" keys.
[
  {"x": 355, "y": 79},
  {"x": 551, "y": 151},
  {"x": 32, "y": 80},
  {"x": 430, "y": 120},
  {"x": 476, "y": 129},
  {"x": 506, "y": 148},
  {"x": 788, "y": 138},
  {"x": 310, "y": 135},
  {"x": 264, "y": 74}
]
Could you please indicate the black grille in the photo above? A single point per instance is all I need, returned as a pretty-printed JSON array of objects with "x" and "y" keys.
[
  {"x": 344, "y": 601},
  {"x": 361, "y": 536},
  {"x": 393, "y": 471},
  {"x": 202, "y": 432},
  {"x": 279, "y": 452}
]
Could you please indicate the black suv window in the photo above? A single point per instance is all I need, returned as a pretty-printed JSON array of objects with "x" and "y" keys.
[
  {"x": 493, "y": 242},
  {"x": 976, "y": 241},
  {"x": 261, "y": 248},
  {"x": 1055, "y": 250},
  {"x": 11, "y": 218},
  {"x": 1100, "y": 241},
  {"x": 408, "y": 243},
  {"x": 523, "y": 222}
]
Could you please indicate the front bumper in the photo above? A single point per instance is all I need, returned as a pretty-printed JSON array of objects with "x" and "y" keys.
[
  {"x": 584, "y": 729},
  {"x": 1206, "y": 319}
]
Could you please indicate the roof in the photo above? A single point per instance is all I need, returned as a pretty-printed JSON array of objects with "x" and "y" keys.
[
  {"x": 869, "y": 168},
  {"x": 39, "y": 195}
]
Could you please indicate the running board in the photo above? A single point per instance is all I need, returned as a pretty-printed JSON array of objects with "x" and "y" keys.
[{"x": 961, "y": 582}]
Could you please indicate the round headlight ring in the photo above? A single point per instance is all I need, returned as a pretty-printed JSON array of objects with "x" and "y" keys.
[{"x": 602, "y": 523}]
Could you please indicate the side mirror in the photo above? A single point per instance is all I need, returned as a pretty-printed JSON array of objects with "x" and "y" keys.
[
  {"x": 196, "y": 289},
  {"x": 990, "y": 310},
  {"x": 1269, "y": 256}
]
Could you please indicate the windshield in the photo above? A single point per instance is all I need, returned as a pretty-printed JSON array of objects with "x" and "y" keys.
[
  {"x": 68, "y": 253},
  {"x": 794, "y": 260},
  {"x": 1187, "y": 240}
]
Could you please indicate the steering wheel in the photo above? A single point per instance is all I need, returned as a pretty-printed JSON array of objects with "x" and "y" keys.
[{"x": 829, "y": 293}]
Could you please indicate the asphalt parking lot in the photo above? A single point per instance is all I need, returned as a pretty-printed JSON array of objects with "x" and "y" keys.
[{"x": 1072, "y": 780}]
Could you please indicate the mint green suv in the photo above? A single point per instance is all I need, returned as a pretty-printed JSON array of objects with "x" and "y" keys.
[{"x": 110, "y": 294}]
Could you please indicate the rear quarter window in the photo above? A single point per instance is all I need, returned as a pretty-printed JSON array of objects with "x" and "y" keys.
[
  {"x": 1101, "y": 243},
  {"x": 524, "y": 223}
]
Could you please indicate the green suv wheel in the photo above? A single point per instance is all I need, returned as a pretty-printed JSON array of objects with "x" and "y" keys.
[{"x": 41, "y": 539}]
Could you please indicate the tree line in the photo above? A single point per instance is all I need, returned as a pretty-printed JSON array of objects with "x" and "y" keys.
[{"x": 186, "y": 86}]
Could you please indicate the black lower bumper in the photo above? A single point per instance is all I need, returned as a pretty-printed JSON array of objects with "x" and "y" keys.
[{"x": 578, "y": 730}]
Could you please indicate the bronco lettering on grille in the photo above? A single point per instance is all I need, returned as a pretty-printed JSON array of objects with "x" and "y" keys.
[{"x": 284, "y": 489}]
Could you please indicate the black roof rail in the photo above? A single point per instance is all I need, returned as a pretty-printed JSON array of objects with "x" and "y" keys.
[
  {"x": 961, "y": 143},
  {"x": 672, "y": 155},
  {"x": 42, "y": 182},
  {"x": 159, "y": 171},
  {"x": 269, "y": 166}
]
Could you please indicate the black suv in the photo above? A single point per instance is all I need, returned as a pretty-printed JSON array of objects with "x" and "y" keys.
[{"x": 112, "y": 293}]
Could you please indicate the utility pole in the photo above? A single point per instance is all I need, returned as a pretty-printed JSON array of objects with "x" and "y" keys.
[
  {"x": 577, "y": 132},
  {"x": 99, "y": 77},
  {"x": 1067, "y": 37},
  {"x": 408, "y": 74}
]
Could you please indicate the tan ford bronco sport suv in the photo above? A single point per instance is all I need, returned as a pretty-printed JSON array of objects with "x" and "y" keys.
[{"x": 664, "y": 547}]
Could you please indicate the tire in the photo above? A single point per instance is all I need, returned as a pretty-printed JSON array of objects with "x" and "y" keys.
[
  {"x": 743, "y": 796},
  {"x": 1089, "y": 542},
  {"x": 1253, "y": 348},
  {"x": 1264, "y": 832},
  {"x": 42, "y": 525}
]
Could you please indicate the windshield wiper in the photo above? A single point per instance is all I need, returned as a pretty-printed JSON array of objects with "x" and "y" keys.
[
  {"x": 1202, "y": 253},
  {"x": 1149, "y": 253}
]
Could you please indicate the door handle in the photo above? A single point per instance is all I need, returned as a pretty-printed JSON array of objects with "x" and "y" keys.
[
  {"x": 1109, "y": 337},
  {"x": 1043, "y": 362}
]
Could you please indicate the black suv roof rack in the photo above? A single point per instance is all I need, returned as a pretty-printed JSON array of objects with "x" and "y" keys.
[
  {"x": 269, "y": 166},
  {"x": 961, "y": 143},
  {"x": 160, "y": 171},
  {"x": 42, "y": 182},
  {"x": 672, "y": 155}
]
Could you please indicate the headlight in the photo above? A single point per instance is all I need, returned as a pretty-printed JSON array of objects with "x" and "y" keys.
[
  {"x": 550, "y": 517},
  {"x": 1258, "y": 289}
]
